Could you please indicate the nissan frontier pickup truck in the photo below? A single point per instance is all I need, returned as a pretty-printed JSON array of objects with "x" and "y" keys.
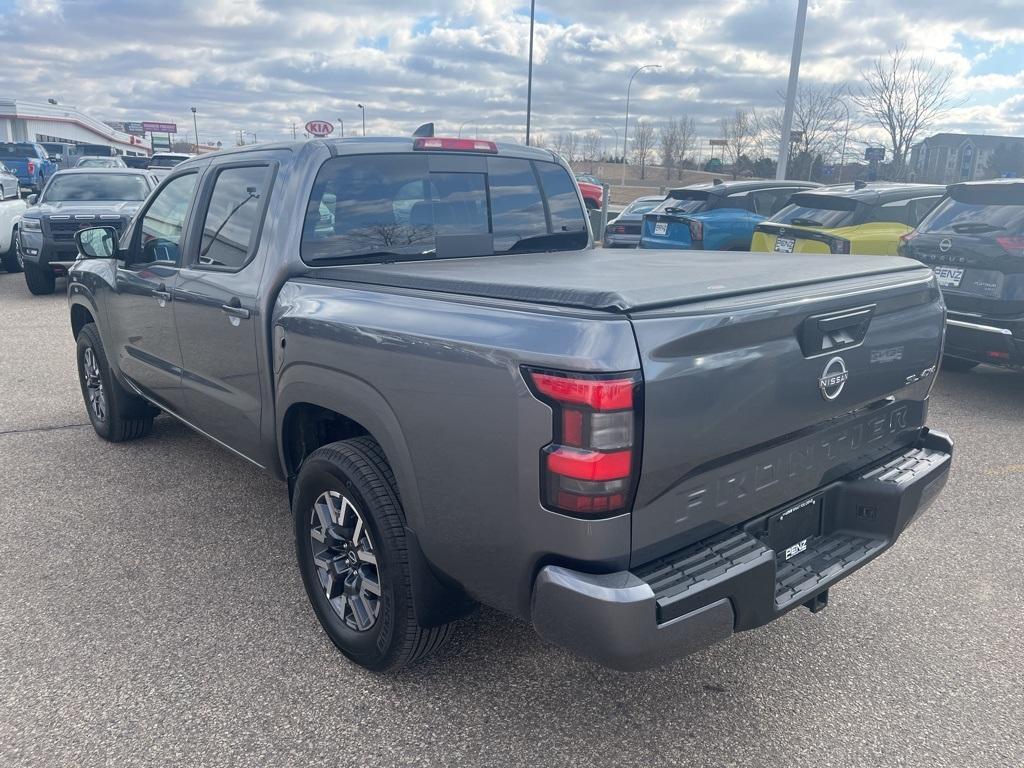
[{"x": 638, "y": 454}]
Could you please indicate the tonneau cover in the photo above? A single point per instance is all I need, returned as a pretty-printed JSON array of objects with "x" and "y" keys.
[{"x": 617, "y": 280}]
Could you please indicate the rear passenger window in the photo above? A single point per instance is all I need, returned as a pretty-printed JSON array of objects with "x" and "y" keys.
[
  {"x": 895, "y": 211},
  {"x": 232, "y": 217}
]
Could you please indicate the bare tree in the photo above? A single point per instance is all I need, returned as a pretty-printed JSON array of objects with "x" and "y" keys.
[
  {"x": 738, "y": 132},
  {"x": 643, "y": 145},
  {"x": 905, "y": 97},
  {"x": 593, "y": 146},
  {"x": 820, "y": 126},
  {"x": 687, "y": 141},
  {"x": 571, "y": 144},
  {"x": 668, "y": 146}
]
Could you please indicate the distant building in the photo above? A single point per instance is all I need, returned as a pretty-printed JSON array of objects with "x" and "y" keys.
[
  {"x": 947, "y": 158},
  {"x": 42, "y": 122}
]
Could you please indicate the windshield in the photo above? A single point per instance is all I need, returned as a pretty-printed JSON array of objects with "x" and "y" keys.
[
  {"x": 17, "y": 152},
  {"x": 641, "y": 206},
  {"x": 817, "y": 211},
  {"x": 83, "y": 187},
  {"x": 392, "y": 207},
  {"x": 974, "y": 218}
]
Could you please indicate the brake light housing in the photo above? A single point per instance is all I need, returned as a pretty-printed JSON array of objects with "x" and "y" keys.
[
  {"x": 696, "y": 230},
  {"x": 438, "y": 144},
  {"x": 839, "y": 245},
  {"x": 590, "y": 467},
  {"x": 31, "y": 167}
]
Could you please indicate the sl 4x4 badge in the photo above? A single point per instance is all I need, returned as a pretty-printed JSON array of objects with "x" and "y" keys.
[{"x": 833, "y": 378}]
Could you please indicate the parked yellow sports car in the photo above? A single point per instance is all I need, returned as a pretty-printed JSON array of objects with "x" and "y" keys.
[{"x": 865, "y": 218}]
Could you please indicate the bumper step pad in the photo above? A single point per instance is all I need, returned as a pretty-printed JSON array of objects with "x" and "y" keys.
[{"x": 824, "y": 558}]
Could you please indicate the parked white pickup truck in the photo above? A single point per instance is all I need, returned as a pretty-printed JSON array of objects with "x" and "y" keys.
[{"x": 10, "y": 218}]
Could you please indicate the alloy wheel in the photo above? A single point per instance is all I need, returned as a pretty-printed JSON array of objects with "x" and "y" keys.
[
  {"x": 345, "y": 560},
  {"x": 94, "y": 385}
]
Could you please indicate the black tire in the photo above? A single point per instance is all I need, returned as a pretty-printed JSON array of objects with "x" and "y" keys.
[
  {"x": 123, "y": 416},
  {"x": 9, "y": 260},
  {"x": 958, "y": 364},
  {"x": 40, "y": 282},
  {"x": 357, "y": 471}
]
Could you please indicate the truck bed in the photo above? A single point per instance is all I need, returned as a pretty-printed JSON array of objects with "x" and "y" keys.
[{"x": 617, "y": 280}]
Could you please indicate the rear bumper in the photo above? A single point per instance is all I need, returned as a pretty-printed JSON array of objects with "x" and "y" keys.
[
  {"x": 681, "y": 603},
  {"x": 621, "y": 241},
  {"x": 999, "y": 341}
]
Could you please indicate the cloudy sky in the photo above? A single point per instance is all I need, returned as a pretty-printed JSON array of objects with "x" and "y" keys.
[{"x": 260, "y": 65}]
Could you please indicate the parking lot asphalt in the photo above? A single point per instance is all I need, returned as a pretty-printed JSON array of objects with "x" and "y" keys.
[{"x": 151, "y": 614}]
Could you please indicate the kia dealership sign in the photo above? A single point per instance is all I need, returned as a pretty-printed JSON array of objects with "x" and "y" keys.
[{"x": 319, "y": 128}]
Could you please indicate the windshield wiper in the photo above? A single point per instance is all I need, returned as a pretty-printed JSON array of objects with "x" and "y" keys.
[
  {"x": 976, "y": 226},
  {"x": 805, "y": 222}
]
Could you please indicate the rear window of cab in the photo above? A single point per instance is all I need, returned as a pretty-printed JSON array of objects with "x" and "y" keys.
[{"x": 393, "y": 207}]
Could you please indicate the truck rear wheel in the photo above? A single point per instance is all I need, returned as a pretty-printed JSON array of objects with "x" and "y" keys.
[
  {"x": 9, "y": 259},
  {"x": 353, "y": 555},
  {"x": 40, "y": 282},
  {"x": 116, "y": 414}
]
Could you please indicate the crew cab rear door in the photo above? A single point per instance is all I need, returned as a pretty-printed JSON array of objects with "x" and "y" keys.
[{"x": 216, "y": 302}]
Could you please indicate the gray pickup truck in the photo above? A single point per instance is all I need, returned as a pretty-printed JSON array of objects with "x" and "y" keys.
[{"x": 640, "y": 453}]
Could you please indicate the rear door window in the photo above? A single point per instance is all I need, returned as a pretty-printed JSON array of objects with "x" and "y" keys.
[
  {"x": 896, "y": 212},
  {"x": 403, "y": 206},
  {"x": 232, "y": 218}
]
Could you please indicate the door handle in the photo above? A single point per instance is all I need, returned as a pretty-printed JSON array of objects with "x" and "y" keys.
[{"x": 234, "y": 308}]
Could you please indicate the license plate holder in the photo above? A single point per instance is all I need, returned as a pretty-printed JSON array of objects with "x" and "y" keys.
[
  {"x": 790, "y": 528},
  {"x": 949, "y": 277},
  {"x": 785, "y": 244},
  {"x": 661, "y": 227}
]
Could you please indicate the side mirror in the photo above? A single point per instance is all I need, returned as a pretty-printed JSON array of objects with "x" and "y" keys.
[
  {"x": 96, "y": 242},
  {"x": 32, "y": 199}
]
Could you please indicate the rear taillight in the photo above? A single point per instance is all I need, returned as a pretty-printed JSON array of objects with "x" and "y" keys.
[
  {"x": 31, "y": 167},
  {"x": 905, "y": 241},
  {"x": 617, "y": 229},
  {"x": 455, "y": 145},
  {"x": 696, "y": 230},
  {"x": 590, "y": 466},
  {"x": 839, "y": 245},
  {"x": 1012, "y": 245}
]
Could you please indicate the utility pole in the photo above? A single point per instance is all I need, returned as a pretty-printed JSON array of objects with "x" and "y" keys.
[
  {"x": 196, "y": 126},
  {"x": 529, "y": 76},
  {"x": 794, "y": 78},
  {"x": 362, "y": 107},
  {"x": 342, "y": 122},
  {"x": 294, "y": 134}
]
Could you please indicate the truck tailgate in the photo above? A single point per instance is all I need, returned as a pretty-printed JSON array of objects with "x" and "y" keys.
[{"x": 753, "y": 401}]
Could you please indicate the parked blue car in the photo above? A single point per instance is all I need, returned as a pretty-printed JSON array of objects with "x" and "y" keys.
[
  {"x": 29, "y": 162},
  {"x": 720, "y": 216}
]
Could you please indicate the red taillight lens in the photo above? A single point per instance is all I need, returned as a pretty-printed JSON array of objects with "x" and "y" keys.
[
  {"x": 589, "y": 467},
  {"x": 696, "y": 230},
  {"x": 1012, "y": 245},
  {"x": 455, "y": 145},
  {"x": 31, "y": 167}
]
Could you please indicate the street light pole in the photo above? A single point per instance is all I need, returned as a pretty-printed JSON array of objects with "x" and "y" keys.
[
  {"x": 195, "y": 125},
  {"x": 342, "y": 122},
  {"x": 364, "y": 117},
  {"x": 794, "y": 78},
  {"x": 529, "y": 76},
  {"x": 625, "y": 130}
]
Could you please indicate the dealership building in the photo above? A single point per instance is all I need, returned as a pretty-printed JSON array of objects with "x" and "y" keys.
[{"x": 40, "y": 122}]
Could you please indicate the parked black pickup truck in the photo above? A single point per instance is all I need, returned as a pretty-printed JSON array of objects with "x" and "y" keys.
[{"x": 640, "y": 454}]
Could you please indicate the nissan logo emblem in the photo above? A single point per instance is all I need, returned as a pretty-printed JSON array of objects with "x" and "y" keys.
[
  {"x": 833, "y": 378},
  {"x": 945, "y": 244}
]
